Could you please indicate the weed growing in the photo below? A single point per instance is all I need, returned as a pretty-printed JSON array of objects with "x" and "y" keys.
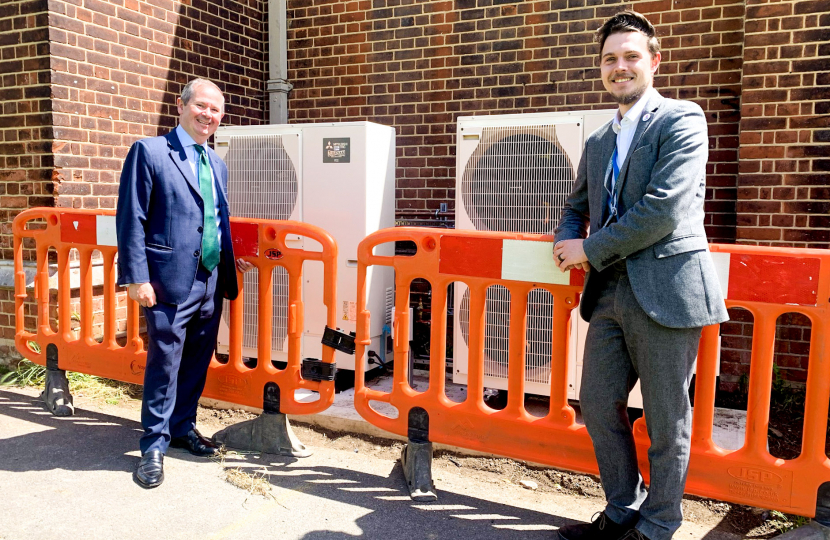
[{"x": 112, "y": 392}]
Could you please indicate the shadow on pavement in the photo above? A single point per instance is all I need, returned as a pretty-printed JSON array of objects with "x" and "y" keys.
[
  {"x": 392, "y": 513},
  {"x": 96, "y": 441},
  {"x": 106, "y": 440}
]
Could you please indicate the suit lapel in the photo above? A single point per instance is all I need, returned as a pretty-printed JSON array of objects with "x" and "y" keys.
[
  {"x": 649, "y": 112},
  {"x": 179, "y": 157}
]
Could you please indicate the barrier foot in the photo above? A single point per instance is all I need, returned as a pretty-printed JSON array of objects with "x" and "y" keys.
[
  {"x": 269, "y": 433},
  {"x": 56, "y": 394},
  {"x": 416, "y": 459},
  {"x": 812, "y": 531}
]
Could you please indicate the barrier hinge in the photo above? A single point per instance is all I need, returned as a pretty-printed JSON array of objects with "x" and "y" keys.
[
  {"x": 317, "y": 370},
  {"x": 339, "y": 340}
]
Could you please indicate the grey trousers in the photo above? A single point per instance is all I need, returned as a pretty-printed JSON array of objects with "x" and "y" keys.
[{"x": 623, "y": 344}]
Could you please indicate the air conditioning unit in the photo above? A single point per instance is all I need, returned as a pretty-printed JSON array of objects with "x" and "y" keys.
[
  {"x": 513, "y": 174},
  {"x": 337, "y": 176}
]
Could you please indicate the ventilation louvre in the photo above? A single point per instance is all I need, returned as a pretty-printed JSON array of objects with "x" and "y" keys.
[
  {"x": 516, "y": 180},
  {"x": 265, "y": 186}
]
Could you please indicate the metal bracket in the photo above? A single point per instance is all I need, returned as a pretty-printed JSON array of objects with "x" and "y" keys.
[
  {"x": 56, "y": 395},
  {"x": 416, "y": 457},
  {"x": 271, "y": 398},
  {"x": 317, "y": 370},
  {"x": 339, "y": 340},
  {"x": 52, "y": 357},
  {"x": 823, "y": 503}
]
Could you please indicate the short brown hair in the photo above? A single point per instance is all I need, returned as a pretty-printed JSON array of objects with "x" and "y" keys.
[{"x": 628, "y": 21}]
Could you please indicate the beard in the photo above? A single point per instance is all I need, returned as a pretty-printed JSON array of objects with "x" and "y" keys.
[
  {"x": 633, "y": 94},
  {"x": 630, "y": 97}
]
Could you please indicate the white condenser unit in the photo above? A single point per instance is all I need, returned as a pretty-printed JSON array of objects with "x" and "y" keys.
[
  {"x": 337, "y": 176},
  {"x": 513, "y": 174}
]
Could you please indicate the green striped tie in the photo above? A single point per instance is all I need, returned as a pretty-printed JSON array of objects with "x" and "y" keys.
[{"x": 210, "y": 235}]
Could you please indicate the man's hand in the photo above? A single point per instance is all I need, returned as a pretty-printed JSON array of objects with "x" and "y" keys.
[
  {"x": 243, "y": 266},
  {"x": 143, "y": 293},
  {"x": 568, "y": 254}
]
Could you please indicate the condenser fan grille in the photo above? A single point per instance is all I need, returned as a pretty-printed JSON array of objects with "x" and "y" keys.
[
  {"x": 497, "y": 327},
  {"x": 517, "y": 180},
  {"x": 262, "y": 183}
]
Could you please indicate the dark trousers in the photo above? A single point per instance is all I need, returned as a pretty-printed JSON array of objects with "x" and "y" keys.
[{"x": 182, "y": 343}]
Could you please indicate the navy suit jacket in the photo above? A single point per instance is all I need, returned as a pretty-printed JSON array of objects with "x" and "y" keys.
[{"x": 160, "y": 217}]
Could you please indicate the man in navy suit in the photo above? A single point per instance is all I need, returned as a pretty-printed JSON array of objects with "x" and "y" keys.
[
  {"x": 175, "y": 255},
  {"x": 651, "y": 283}
]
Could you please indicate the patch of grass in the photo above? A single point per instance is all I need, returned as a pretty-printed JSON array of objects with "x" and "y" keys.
[
  {"x": 782, "y": 522},
  {"x": 80, "y": 384},
  {"x": 255, "y": 483}
]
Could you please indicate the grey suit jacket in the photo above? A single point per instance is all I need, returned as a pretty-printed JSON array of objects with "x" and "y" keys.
[{"x": 659, "y": 233}]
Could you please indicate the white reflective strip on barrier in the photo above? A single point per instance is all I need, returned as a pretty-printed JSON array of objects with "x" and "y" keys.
[
  {"x": 721, "y": 261},
  {"x": 105, "y": 231},
  {"x": 524, "y": 260}
]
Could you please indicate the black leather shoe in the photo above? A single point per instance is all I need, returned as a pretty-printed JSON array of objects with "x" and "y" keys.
[
  {"x": 194, "y": 443},
  {"x": 634, "y": 534},
  {"x": 150, "y": 470},
  {"x": 600, "y": 528}
]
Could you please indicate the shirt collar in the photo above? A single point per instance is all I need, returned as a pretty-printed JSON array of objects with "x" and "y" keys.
[
  {"x": 185, "y": 138},
  {"x": 634, "y": 113}
]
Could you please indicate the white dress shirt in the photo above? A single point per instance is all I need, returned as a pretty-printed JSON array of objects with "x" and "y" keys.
[
  {"x": 193, "y": 158},
  {"x": 625, "y": 126}
]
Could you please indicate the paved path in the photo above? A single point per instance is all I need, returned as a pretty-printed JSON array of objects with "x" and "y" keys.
[{"x": 70, "y": 478}]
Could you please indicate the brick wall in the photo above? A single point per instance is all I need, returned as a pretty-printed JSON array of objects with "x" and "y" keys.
[
  {"x": 25, "y": 130},
  {"x": 784, "y": 190},
  {"x": 25, "y": 120},
  {"x": 83, "y": 79},
  {"x": 783, "y": 194},
  {"x": 118, "y": 67},
  {"x": 419, "y": 65},
  {"x": 758, "y": 68}
]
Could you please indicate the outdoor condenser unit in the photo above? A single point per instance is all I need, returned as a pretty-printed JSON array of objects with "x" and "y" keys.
[
  {"x": 513, "y": 174},
  {"x": 338, "y": 176}
]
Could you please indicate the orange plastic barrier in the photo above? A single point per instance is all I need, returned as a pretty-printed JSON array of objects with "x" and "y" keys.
[
  {"x": 766, "y": 281},
  {"x": 261, "y": 242}
]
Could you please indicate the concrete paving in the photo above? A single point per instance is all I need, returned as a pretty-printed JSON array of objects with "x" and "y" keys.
[{"x": 72, "y": 478}]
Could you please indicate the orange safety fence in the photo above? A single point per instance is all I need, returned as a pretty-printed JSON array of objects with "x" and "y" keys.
[
  {"x": 766, "y": 281},
  {"x": 261, "y": 242}
]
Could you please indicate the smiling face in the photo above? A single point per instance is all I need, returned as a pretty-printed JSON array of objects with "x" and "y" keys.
[
  {"x": 627, "y": 67},
  {"x": 201, "y": 115}
]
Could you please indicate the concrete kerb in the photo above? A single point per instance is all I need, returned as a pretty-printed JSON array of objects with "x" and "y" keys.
[{"x": 811, "y": 531}]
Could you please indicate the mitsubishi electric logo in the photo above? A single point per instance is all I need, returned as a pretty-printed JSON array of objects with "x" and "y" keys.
[{"x": 336, "y": 150}]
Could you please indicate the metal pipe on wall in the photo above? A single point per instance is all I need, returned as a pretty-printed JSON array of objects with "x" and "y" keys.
[{"x": 278, "y": 85}]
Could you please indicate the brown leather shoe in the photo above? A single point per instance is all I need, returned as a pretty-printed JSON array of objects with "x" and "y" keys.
[
  {"x": 600, "y": 528},
  {"x": 194, "y": 443},
  {"x": 150, "y": 470}
]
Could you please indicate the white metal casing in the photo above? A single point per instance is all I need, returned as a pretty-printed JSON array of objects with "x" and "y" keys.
[
  {"x": 350, "y": 199},
  {"x": 512, "y": 146}
]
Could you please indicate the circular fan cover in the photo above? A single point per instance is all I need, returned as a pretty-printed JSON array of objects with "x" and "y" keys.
[{"x": 517, "y": 182}]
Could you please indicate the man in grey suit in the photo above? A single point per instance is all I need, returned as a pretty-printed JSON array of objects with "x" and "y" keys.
[{"x": 651, "y": 285}]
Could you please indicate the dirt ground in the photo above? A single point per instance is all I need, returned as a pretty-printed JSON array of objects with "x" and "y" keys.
[{"x": 737, "y": 519}]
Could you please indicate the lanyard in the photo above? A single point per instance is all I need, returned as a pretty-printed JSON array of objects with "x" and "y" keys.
[{"x": 613, "y": 174}]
